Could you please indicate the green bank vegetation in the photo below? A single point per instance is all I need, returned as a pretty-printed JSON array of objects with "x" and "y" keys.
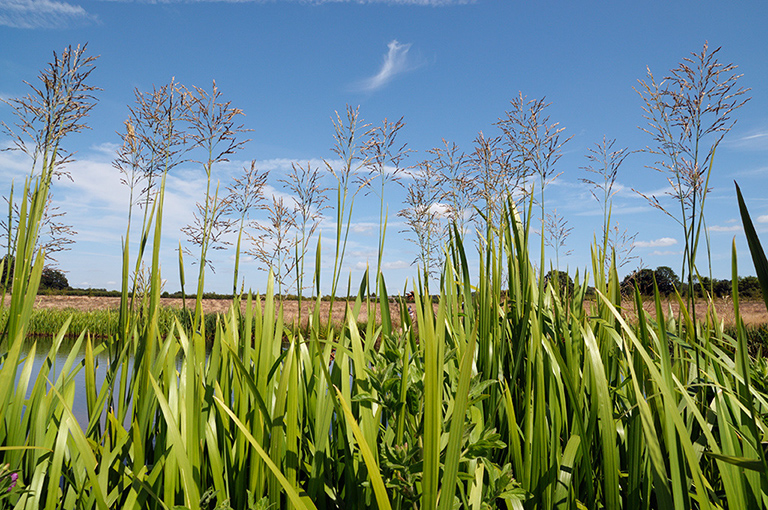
[{"x": 505, "y": 395}]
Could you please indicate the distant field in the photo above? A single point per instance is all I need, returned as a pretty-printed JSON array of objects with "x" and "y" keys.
[
  {"x": 290, "y": 307},
  {"x": 753, "y": 312}
]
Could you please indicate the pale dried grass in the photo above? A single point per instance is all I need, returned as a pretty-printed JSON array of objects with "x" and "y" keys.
[{"x": 290, "y": 307}]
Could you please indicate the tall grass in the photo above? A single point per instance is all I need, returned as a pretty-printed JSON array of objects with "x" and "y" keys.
[
  {"x": 502, "y": 394},
  {"x": 102, "y": 324},
  {"x": 489, "y": 399}
]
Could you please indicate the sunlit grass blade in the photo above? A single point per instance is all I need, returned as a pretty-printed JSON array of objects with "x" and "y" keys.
[
  {"x": 755, "y": 248},
  {"x": 299, "y": 500},
  {"x": 178, "y": 449},
  {"x": 456, "y": 431},
  {"x": 373, "y": 469}
]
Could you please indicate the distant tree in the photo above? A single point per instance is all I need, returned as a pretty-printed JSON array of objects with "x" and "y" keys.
[
  {"x": 713, "y": 287},
  {"x": 749, "y": 287},
  {"x": 563, "y": 281},
  {"x": 722, "y": 288},
  {"x": 666, "y": 280},
  {"x": 53, "y": 279},
  {"x": 642, "y": 278}
]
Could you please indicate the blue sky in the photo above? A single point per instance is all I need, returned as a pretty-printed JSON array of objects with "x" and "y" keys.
[{"x": 450, "y": 68}]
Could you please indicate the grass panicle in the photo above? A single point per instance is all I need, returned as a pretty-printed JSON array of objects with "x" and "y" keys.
[{"x": 498, "y": 390}]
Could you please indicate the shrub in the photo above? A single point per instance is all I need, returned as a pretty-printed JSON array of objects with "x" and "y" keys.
[
  {"x": 666, "y": 280},
  {"x": 53, "y": 279}
]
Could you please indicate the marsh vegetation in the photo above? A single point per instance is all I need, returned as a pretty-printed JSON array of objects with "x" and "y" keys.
[{"x": 508, "y": 392}]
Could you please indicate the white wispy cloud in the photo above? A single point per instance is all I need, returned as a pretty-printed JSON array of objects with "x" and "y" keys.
[
  {"x": 31, "y": 14},
  {"x": 658, "y": 253},
  {"x": 425, "y": 3},
  {"x": 440, "y": 210},
  {"x": 363, "y": 228},
  {"x": 362, "y": 265},
  {"x": 107, "y": 149},
  {"x": 656, "y": 243},
  {"x": 395, "y": 62},
  {"x": 397, "y": 264},
  {"x": 763, "y": 218},
  {"x": 721, "y": 228},
  {"x": 754, "y": 140},
  {"x": 283, "y": 165},
  {"x": 13, "y": 164}
]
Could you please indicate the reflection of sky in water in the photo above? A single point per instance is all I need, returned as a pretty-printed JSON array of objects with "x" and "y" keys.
[{"x": 78, "y": 404}]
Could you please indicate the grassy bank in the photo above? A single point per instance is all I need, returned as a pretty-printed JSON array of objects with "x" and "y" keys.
[{"x": 516, "y": 400}]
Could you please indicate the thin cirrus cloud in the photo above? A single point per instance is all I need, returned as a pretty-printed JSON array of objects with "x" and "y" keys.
[
  {"x": 32, "y": 14},
  {"x": 756, "y": 140},
  {"x": 656, "y": 243},
  {"x": 52, "y": 14},
  {"x": 428, "y": 3},
  {"x": 396, "y": 62},
  {"x": 660, "y": 253},
  {"x": 721, "y": 228}
]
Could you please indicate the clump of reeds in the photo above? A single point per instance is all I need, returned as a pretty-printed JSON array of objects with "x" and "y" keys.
[{"x": 498, "y": 394}]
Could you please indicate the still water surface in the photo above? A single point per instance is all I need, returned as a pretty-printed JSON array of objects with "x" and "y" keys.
[{"x": 79, "y": 405}]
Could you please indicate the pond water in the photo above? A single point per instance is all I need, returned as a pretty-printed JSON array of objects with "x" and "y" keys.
[{"x": 79, "y": 405}]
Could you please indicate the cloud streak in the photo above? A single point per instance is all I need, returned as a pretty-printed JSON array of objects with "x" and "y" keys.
[
  {"x": 658, "y": 253},
  {"x": 395, "y": 62},
  {"x": 656, "y": 243},
  {"x": 756, "y": 140},
  {"x": 721, "y": 228},
  {"x": 52, "y": 14},
  {"x": 32, "y": 14},
  {"x": 425, "y": 3}
]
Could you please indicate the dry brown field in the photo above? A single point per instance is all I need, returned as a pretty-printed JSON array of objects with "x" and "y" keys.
[
  {"x": 290, "y": 307},
  {"x": 753, "y": 312}
]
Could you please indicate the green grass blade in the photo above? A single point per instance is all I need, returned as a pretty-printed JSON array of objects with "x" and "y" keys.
[
  {"x": 567, "y": 464},
  {"x": 755, "y": 248},
  {"x": 178, "y": 450},
  {"x": 456, "y": 432},
  {"x": 610, "y": 453},
  {"x": 373, "y": 469},
  {"x": 299, "y": 501}
]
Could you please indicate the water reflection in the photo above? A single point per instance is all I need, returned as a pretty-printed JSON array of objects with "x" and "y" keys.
[{"x": 59, "y": 362}]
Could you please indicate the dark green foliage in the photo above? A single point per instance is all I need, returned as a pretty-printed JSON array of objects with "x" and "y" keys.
[
  {"x": 82, "y": 292},
  {"x": 749, "y": 287},
  {"x": 666, "y": 280},
  {"x": 561, "y": 282},
  {"x": 102, "y": 324},
  {"x": 53, "y": 279},
  {"x": 714, "y": 287},
  {"x": 757, "y": 338},
  {"x": 561, "y": 278}
]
